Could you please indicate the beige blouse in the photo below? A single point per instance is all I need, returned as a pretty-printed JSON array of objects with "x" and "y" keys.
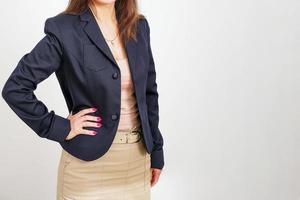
[{"x": 129, "y": 116}]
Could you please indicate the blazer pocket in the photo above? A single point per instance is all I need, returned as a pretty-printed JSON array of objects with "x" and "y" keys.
[{"x": 93, "y": 59}]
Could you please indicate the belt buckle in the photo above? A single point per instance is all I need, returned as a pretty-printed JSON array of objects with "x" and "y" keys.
[{"x": 134, "y": 131}]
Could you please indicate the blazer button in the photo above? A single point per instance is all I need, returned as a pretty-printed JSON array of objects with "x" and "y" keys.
[
  {"x": 115, "y": 75},
  {"x": 114, "y": 117}
]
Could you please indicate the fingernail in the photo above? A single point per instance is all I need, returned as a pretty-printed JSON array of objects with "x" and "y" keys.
[
  {"x": 94, "y": 109},
  {"x": 94, "y": 133},
  {"x": 98, "y": 118},
  {"x": 98, "y": 124}
]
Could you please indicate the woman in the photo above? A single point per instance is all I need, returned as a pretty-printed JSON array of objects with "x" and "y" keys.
[{"x": 100, "y": 52}]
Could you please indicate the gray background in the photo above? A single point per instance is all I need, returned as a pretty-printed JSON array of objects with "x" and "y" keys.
[{"x": 228, "y": 76}]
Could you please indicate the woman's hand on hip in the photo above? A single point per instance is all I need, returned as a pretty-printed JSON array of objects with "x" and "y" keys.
[{"x": 80, "y": 120}]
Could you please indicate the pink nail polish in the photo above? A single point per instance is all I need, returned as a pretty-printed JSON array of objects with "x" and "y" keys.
[
  {"x": 94, "y": 109},
  {"x": 98, "y": 118},
  {"x": 98, "y": 124},
  {"x": 94, "y": 132}
]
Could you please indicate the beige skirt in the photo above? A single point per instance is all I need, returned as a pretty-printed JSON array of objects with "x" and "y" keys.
[{"x": 123, "y": 173}]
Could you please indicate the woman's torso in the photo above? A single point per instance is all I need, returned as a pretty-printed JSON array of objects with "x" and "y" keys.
[{"x": 129, "y": 116}]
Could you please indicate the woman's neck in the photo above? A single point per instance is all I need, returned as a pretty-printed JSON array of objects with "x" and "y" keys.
[{"x": 105, "y": 13}]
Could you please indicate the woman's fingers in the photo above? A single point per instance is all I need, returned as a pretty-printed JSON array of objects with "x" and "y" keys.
[
  {"x": 90, "y": 118},
  {"x": 88, "y": 132},
  {"x": 91, "y": 124},
  {"x": 86, "y": 111},
  {"x": 86, "y": 120},
  {"x": 81, "y": 120}
]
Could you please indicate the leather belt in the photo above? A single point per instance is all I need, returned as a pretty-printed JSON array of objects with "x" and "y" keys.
[{"x": 128, "y": 136}]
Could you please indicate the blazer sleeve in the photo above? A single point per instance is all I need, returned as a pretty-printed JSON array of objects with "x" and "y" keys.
[
  {"x": 33, "y": 68},
  {"x": 157, "y": 155}
]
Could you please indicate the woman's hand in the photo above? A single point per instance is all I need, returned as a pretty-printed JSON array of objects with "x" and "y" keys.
[
  {"x": 80, "y": 120},
  {"x": 155, "y": 173}
]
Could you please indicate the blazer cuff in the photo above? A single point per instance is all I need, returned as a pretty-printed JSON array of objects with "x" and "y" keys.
[
  {"x": 157, "y": 159},
  {"x": 60, "y": 129}
]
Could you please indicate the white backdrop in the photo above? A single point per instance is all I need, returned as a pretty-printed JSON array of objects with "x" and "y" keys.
[{"x": 229, "y": 82}]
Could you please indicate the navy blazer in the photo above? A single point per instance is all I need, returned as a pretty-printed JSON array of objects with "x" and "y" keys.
[{"x": 74, "y": 48}]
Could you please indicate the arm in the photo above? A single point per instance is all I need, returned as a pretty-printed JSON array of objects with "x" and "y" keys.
[
  {"x": 157, "y": 155},
  {"x": 33, "y": 68}
]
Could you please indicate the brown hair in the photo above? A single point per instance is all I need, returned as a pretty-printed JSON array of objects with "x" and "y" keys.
[{"x": 126, "y": 13}]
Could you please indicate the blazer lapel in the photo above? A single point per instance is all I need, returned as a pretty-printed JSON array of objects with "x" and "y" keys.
[{"x": 93, "y": 31}]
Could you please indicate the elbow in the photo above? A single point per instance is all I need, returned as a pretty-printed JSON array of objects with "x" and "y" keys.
[
  {"x": 4, "y": 92},
  {"x": 8, "y": 92}
]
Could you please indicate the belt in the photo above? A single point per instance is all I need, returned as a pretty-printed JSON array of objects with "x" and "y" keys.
[{"x": 128, "y": 136}]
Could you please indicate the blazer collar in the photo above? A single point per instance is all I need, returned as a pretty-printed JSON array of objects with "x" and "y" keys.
[{"x": 93, "y": 31}]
